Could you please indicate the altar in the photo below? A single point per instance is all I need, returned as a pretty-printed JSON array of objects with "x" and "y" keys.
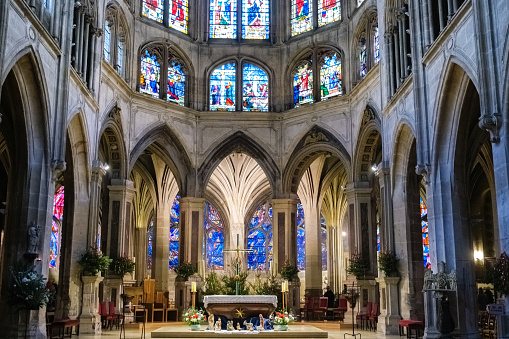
[{"x": 240, "y": 306}]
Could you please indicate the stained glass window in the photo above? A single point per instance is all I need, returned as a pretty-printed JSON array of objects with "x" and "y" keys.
[
  {"x": 328, "y": 11},
  {"x": 301, "y": 238},
  {"x": 58, "y": 216},
  {"x": 120, "y": 56},
  {"x": 153, "y": 9},
  {"x": 150, "y": 74},
  {"x": 330, "y": 76},
  {"x": 215, "y": 238},
  {"x": 107, "y": 41},
  {"x": 223, "y": 19},
  {"x": 222, "y": 88},
  {"x": 359, "y": 2},
  {"x": 178, "y": 15},
  {"x": 174, "y": 233},
  {"x": 255, "y": 19},
  {"x": 259, "y": 240},
  {"x": 302, "y": 16},
  {"x": 425, "y": 235},
  {"x": 47, "y": 4},
  {"x": 255, "y": 90},
  {"x": 176, "y": 83},
  {"x": 303, "y": 85},
  {"x": 363, "y": 58},
  {"x": 376, "y": 46},
  {"x": 150, "y": 244},
  {"x": 323, "y": 241}
]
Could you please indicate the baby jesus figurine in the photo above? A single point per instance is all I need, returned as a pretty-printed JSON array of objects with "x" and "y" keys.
[{"x": 261, "y": 327}]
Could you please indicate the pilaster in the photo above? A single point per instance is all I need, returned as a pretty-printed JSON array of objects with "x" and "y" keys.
[
  {"x": 90, "y": 320},
  {"x": 98, "y": 173},
  {"x": 119, "y": 218},
  {"x": 284, "y": 228},
  {"x": 191, "y": 230},
  {"x": 389, "y": 305}
]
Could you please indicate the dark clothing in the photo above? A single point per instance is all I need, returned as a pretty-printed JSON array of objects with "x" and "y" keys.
[
  {"x": 482, "y": 301},
  {"x": 329, "y": 294},
  {"x": 489, "y": 297}
]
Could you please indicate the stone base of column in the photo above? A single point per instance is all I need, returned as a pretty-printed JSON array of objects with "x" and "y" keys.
[
  {"x": 294, "y": 296},
  {"x": 90, "y": 320},
  {"x": 388, "y": 325},
  {"x": 389, "y": 305},
  {"x": 503, "y": 326},
  {"x": 313, "y": 292},
  {"x": 183, "y": 297}
]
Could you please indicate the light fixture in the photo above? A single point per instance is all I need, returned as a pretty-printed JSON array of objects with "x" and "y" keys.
[
  {"x": 478, "y": 255},
  {"x": 344, "y": 233},
  {"x": 374, "y": 168},
  {"x": 106, "y": 166}
]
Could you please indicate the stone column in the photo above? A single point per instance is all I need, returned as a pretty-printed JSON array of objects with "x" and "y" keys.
[
  {"x": 441, "y": 16},
  {"x": 430, "y": 20},
  {"x": 161, "y": 247},
  {"x": 387, "y": 229},
  {"x": 90, "y": 320},
  {"x": 390, "y": 45},
  {"x": 98, "y": 173},
  {"x": 119, "y": 217},
  {"x": 397, "y": 59},
  {"x": 313, "y": 252},
  {"x": 141, "y": 254},
  {"x": 191, "y": 230},
  {"x": 79, "y": 41},
  {"x": 427, "y": 24},
  {"x": 284, "y": 231},
  {"x": 405, "y": 47},
  {"x": 401, "y": 45},
  {"x": 389, "y": 305},
  {"x": 86, "y": 38}
]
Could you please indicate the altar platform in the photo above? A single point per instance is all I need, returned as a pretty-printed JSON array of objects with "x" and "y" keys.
[{"x": 294, "y": 331}]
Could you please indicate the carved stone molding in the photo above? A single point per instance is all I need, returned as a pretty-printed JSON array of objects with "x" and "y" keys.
[
  {"x": 57, "y": 166},
  {"x": 425, "y": 171},
  {"x": 491, "y": 123}
]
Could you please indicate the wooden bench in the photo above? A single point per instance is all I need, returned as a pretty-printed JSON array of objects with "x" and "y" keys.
[
  {"x": 64, "y": 328},
  {"x": 410, "y": 325}
]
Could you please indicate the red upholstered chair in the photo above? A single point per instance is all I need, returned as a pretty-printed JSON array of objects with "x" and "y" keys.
[
  {"x": 106, "y": 319},
  {"x": 308, "y": 309},
  {"x": 321, "y": 310},
  {"x": 116, "y": 318},
  {"x": 363, "y": 316},
  {"x": 373, "y": 317},
  {"x": 340, "y": 310}
]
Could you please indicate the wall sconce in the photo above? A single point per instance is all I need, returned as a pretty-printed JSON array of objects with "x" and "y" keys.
[
  {"x": 478, "y": 255},
  {"x": 344, "y": 233}
]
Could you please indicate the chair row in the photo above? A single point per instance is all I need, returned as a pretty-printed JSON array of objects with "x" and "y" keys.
[
  {"x": 487, "y": 325},
  {"x": 318, "y": 306},
  {"x": 369, "y": 319},
  {"x": 109, "y": 316}
]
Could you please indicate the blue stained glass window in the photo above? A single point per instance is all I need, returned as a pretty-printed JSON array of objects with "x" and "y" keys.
[
  {"x": 259, "y": 240},
  {"x": 58, "y": 216},
  {"x": 328, "y": 11},
  {"x": 222, "y": 88},
  {"x": 223, "y": 19},
  {"x": 330, "y": 77},
  {"x": 376, "y": 46},
  {"x": 174, "y": 233},
  {"x": 176, "y": 83},
  {"x": 324, "y": 243},
  {"x": 378, "y": 238},
  {"x": 150, "y": 243},
  {"x": 214, "y": 238},
  {"x": 363, "y": 59},
  {"x": 255, "y": 19},
  {"x": 153, "y": 9},
  {"x": 150, "y": 74},
  {"x": 425, "y": 235},
  {"x": 303, "y": 85},
  {"x": 255, "y": 89},
  {"x": 301, "y": 238},
  {"x": 178, "y": 15},
  {"x": 107, "y": 41},
  {"x": 300, "y": 216},
  {"x": 302, "y": 16}
]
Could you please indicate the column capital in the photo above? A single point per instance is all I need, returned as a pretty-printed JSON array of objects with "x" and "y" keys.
[{"x": 357, "y": 188}]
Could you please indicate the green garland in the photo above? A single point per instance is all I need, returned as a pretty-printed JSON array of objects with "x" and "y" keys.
[{"x": 501, "y": 274}]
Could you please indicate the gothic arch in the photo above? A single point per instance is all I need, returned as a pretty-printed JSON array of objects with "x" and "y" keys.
[
  {"x": 114, "y": 144},
  {"x": 76, "y": 130},
  {"x": 164, "y": 142},
  {"x": 238, "y": 142},
  {"x": 315, "y": 142},
  {"x": 367, "y": 143}
]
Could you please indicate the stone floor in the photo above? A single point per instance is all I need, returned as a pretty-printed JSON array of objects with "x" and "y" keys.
[{"x": 336, "y": 331}]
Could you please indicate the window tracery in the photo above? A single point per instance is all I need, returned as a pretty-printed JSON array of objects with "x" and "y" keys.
[
  {"x": 214, "y": 238},
  {"x": 173, "y": 259},
  {"x": 259, "y": 239},
  {"x": 56, "y": 223},
  {"x": 254, "y": 23},
  {"x": 114, "y": 49},
  {"x": 368, "y": 49},
  {"x": 330, "y": 76}
]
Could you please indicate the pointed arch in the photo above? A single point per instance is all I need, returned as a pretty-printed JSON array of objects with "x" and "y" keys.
[
  {"x": 238, "y": 142},
  {"x": 315, "y": 142},
  {"x": 112, "y": 144},
  {"x": 162, "y": 141},
  {"x": 76, "y": 131},
  {"x": 369, "y": 143}
]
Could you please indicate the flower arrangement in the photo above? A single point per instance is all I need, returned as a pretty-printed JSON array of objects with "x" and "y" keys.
[
  {"x": 282, "y": 318},
  {"x": 29, "y": 289},
  {"x": 194, "y": 317}
]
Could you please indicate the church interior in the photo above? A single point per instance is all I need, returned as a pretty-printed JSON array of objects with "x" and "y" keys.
[{"x": 364, "y": 154}]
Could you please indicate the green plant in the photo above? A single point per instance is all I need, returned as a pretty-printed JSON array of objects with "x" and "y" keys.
[
  {"x": 269, "y": 286},
  {"x": 213, "y": 285},
  {"x": 28, "y": 290},
  {"x": 185, "y": 270},
  {"x": 388, "y": 263},
  {"x": 229, "y": 284},
  {"x": 357, "y": 267},
  {"x": 94, "y": 262},
  {"x": 501, "y": 274},
  {"x": 289, "y": 271},
  {"x": 121, "y": 266}
]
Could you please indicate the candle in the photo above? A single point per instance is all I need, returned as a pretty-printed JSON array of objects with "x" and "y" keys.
[
  {"x": 193, "y": 286},
  {"x": 286, "y": 286},
  {"x": 283, "y": 287}
]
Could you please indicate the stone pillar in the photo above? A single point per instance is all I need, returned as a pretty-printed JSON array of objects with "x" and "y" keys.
[
  {"x": 98, "y": 173},
  {"x": 191, "y": 230},
  {"x": 90, "y": 320},
  {"x": 387, "y": 229},
  {"x": 119, "y": 217},
  {"x": 430, "y": 20},
  {"x": 284, "y": 231},
  {"x": 112, "y": 289},
  {"x": 441, "y": 16},
  {"x": 359, "y": 209},
  {"x": 397, "y": 59},
  {"x": 313, "y": 252},
  {"x": 86, "y": 38},
  {"x": 401, "y": 35},
  {"x": 79, "y": 42},
  {"x": 161, "y": 247},
  {"x": 389, "y": 305},
  {"x": 427, "y": 24},
  {"x": 183, "y": 298},
  {"x": 141, "y": 254},
  {"x": 294, "y": 296},
  {"x": 390, "y": 45}
]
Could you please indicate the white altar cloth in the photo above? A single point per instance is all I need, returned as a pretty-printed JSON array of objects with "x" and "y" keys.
[{"x": 240, "y": 299}]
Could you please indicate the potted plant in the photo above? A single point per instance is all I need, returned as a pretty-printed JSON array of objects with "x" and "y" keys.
[
  {"x": 388, "y": 263},
  {"x": 289, "y": 271},
  {"x": 121, "y": 266},
  {"x": 357, "y": 267},
  {"x": 94, "y": 262},
  {"x": 194, "y": 318},
  {"x": 185, "y": 270},
  {"x": 28, "y": 290},
  {"x": 281, "y": 320}
]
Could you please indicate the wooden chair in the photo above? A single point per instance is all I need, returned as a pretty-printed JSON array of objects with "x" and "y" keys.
[
  {"x": 363, "y": 316},
  {"x": 159, "y": 309},
  {"x": 322, "y": 308},
  {"x": 340, "y": 310}
]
